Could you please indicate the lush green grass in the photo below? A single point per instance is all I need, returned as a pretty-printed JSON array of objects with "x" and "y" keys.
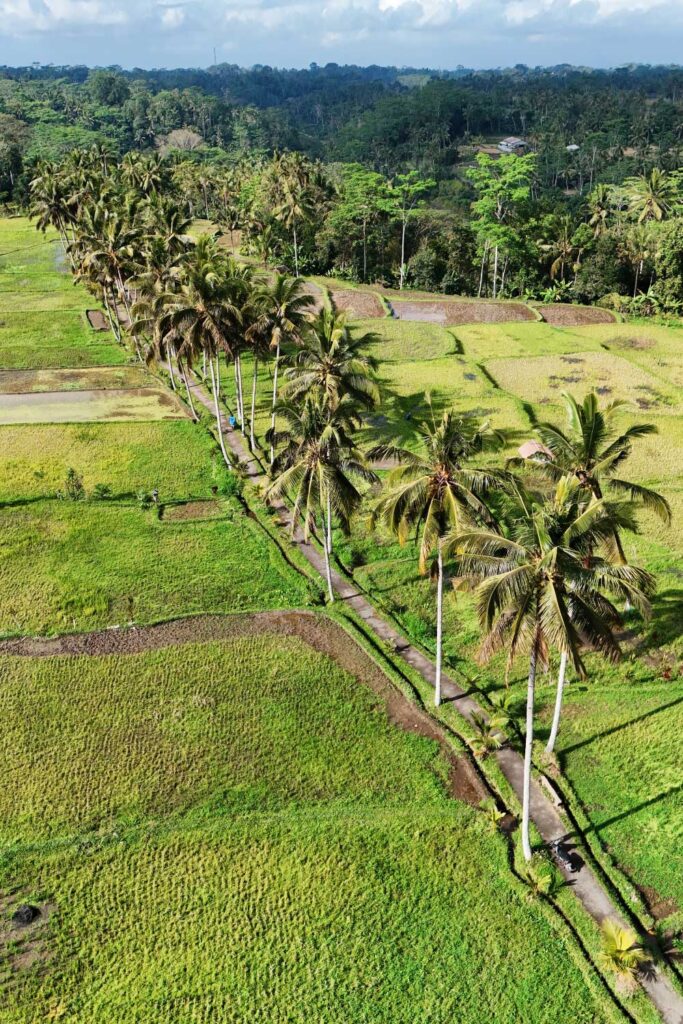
[
  {"x": 400, "y": 340},
  {"x": 20, "y": 382},
  {"x": 263, "y": 853},
  {"x": 79, "y": 565},
  {"x": 78, "y": 406},
  {"x": 626, "y": 776},
  {"x": 175, "y": 457},
  {"x": 42, "y": 314}
]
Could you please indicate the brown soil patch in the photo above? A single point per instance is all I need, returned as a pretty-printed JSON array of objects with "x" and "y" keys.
[
  {"x": 634, "y": 342},
  {"x": 320, "y": 633},
  {"x": 574, "y": 316},
  {"x": 316, "y": 292},
  {"x": 357, "y": 305},
  {"x": 206, "y": 509},
  {"x": 454, "y": 313},
  {"x": 29, "y": 948},
  {"x": 658, "y": 907},
  {"x": 97, "y": 320}
]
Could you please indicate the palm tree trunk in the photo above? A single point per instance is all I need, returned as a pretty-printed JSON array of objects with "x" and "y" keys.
[
  {"x": 240, "y": 395},
  {"x": 495, "y": 270},
  {"x": 439, "y": 627},
  {"x": 550, "y": 746},
  {"x": 296, "y": 250},
  {"x": 403, "y": 254},
  {"x": 237, "y": 390},
  {"x": 328, "y": 571},
  {"x": 218, "y": 375},
  {"x": 204, "y": 365},
  {"x": 171, "y": 371},
  {"x": 112, "y": 323},
  {"x": 183, "y": 374},
  {"x": 272, "y": 414},
  {"x": 221, "y": 439},
  {"x": 328, "y": 538},
  {"x": 252, "y": 437},
  {"x": 528, "y": 748}
]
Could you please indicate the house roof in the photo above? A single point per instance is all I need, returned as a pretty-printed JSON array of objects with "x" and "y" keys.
[
  {"x": 530, "y": 448},
  {"x": 512, "y": 141}
]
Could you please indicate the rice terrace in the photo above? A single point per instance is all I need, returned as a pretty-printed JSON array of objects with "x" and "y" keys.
[{"x": 341, "y": 673}]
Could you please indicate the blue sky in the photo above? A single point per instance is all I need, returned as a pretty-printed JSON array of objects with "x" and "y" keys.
[{"x": 292, "y": 33}]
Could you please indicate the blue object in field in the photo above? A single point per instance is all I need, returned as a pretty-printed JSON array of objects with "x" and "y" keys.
[{"x": 232, "y": 421}]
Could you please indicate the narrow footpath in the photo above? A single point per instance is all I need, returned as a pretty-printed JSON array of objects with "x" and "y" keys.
[{"x": 546, "y": 818}]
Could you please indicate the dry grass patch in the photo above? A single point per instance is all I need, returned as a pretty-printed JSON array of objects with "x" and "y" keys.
[{"x": 90, "y": 406}]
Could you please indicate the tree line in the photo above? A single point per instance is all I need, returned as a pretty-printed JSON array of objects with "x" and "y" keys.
[{"x": 537, "y": 540}]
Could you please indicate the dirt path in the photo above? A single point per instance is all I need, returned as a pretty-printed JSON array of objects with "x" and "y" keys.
[
  {"x": 317, "y": 631},
  {"x": 551, "y": 826}
]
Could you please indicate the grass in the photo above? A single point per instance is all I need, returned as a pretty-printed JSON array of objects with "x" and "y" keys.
[
  {"x": 304, "y": 864},
  {"x": 175, "y": 457},
  {"x": 18, "y": 382},
  {"x": 622, "y": 768},
  {"x": 82, "y": 565},
  {"x": 90, "y": 406}
]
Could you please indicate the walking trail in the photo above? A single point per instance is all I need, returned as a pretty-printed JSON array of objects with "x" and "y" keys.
[{"x": 545, "y": 816}]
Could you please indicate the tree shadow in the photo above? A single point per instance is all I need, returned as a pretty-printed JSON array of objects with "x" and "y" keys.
[
  {"x": 618, "y": 728},
  {"x": 667, "y": 620},
  {"x": 623, "y": 815}
]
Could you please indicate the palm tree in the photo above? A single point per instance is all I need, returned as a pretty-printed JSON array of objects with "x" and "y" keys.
[
  {"x": 292, "y": 195},
  {"x": 202, "y": 315},
  {"x": 284, "y": 313},
  {"x": 316, "y": 465},
  {"x": 537, "y": 592},
  {"x": 600, "y": 206},
  {"x": 436, "y": 491},
  {"x": 621, "y": 952},
  {"x": 653, "y": 196},
  {"x": 332, "y": 363},
  {"x": 562, "y": 250},
  {"x": 593, "y": 449}
]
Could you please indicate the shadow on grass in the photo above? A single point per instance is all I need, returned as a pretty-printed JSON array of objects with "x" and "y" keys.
[
  {"x": 623, "y": 815},
  {"x": 618, "y": 728}
]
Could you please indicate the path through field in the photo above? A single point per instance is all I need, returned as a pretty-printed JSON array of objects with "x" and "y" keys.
[{"x": 585, "y": 884}]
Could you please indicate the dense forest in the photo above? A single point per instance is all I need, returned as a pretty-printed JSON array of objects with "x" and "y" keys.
[{"x": 391, "y": 175}]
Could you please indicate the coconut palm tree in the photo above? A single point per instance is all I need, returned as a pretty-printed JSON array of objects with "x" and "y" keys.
[
  {"x": 600, "y": 206},
  {"x": 653, "y": 196},
  {"x": 593, "y": 449},
  {"x": 285, "y": 311},
  {"x": 537, "y": 592},
  {"x": 202, "y": 316},
  {"x": 437, "y": 490},
  {"x": 621, "y": 953},
  {"x": 316, "y": 465},
  {"x": 332, "y": 362}
]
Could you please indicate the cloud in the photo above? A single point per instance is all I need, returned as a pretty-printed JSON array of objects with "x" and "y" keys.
[{"x": 289, "y": 33}]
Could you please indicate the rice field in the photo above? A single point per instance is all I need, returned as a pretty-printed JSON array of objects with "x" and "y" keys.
[{"x": 202, "y": 848}]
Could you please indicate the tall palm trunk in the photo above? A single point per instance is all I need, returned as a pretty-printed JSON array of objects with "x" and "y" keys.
[
  {"x": 171, "y": 371},
  {"x": 183, "y": 374},
  {"x": 328, "y": 538},
  {"x": 254, "y": 378},
  {"x": 296, "y": 249},
  {"x": 481, "y": 272},
  {"x": 272, "y": 413},
  {"x": 528, "y": 748},
  {"x": 550, "y": 746},
  {"x": 214, "y": 388},
  {"x": 240, "y": 395},
  {"x": 328, "y": 570},
  {"x": 495, "y": 271},
  {"x": 439, "y": 627},
  {"x": 403, "y": 254},
  {"x": 112, "y": 323}
]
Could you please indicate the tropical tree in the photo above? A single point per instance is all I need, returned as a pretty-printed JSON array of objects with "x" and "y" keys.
[
  {"x": 653, "y": 196},
  {"x": 593, "y": 449},
  {"x": 285, "y": 310},
  {"x": 317, "y": 464},
  {"x": 202, "y": 316},
  {"x": 600, "y": 208},
  {"x": 437, "y": 490},
  {"x": 621, "y": 953},
  {"x": 333, "y": 363},
  {"x": 538, "y": 592}
]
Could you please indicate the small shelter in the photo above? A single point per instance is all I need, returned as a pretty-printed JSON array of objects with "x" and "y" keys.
[{"x": 513, "y": 145}]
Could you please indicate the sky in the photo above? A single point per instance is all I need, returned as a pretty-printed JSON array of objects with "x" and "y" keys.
[{"x": 293, "y": 33}]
